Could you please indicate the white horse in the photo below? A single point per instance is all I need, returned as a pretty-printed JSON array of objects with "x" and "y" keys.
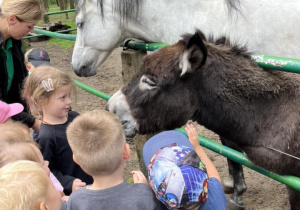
[{"x": 266, "y": 27}]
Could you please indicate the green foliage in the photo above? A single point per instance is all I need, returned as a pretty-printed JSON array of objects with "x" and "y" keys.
[
  {"x": 64, "y": 44},
  {"x": 130, "y": 180}
]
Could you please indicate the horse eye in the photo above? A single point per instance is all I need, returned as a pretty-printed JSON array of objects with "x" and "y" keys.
[{"x": 80, "y": 25}]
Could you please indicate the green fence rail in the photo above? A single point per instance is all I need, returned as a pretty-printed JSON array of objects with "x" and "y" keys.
[
  {"x": 264, "y": 61},
  {"x": 39, "y": 35},
  {"x": 291, "y": 181},
  {"x": 55, "y": 34},
  {"x": 60, "y": 12}
]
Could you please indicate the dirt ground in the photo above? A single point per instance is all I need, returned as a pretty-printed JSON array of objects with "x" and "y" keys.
[{"x": 262, "y": 192}]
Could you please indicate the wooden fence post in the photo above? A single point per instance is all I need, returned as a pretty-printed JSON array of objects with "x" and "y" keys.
[{"x": 131, "y": 62}]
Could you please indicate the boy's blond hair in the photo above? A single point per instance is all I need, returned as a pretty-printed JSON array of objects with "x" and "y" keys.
[
  {"x": 97, "y": 141},
  {"x": 23, "y": 185},
  {"x": 14, "y": 131},
  {"x": 12, "y": 151},
  {"x": 24, "y": 10},
  {"x": 16, "y": 143},
  {"x": 36, "y": 90}
]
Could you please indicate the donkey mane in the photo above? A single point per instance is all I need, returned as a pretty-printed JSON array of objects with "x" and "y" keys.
[
  {"x": 238, "y": 49},
  {"x": 129, "y": 9}
]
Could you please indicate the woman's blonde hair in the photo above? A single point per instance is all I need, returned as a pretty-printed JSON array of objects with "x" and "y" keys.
[
  {"x": 97, "y": 141},
  {"x": 40, "y": 86},
  {"x": 24, "y": 185},
  {"x": 24, "y": 10}
]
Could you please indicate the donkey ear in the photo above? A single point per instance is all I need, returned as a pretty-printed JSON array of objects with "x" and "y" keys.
[{"x": 193, "y": 56}]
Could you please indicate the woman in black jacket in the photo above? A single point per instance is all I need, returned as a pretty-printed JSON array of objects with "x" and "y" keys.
[{"x": 17, "y": 19}]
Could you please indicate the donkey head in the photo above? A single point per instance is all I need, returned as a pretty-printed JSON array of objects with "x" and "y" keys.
[{"x": 162, "y": 95}]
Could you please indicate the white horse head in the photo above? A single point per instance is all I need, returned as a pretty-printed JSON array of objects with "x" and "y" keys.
[
  {"x": 96, "y": 37},
  {"x": 266, "y": 27}
]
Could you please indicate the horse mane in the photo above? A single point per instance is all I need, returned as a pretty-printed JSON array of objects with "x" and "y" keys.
[
  {"x": 233, "y": 5},
  {"x": 128, "y": 9}
]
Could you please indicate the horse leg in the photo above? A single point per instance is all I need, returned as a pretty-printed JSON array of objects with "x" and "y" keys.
[
  {"x": 294, "y": 198},
  {"x": 234, "y": 182}
]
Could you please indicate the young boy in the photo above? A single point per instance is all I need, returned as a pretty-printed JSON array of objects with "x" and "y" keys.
[
  {"x": 25, "y": 185},
  {"x": 99, "y": 147},
  {"x": 36, "y": 57},
  {"x": 181, "y": 174}
]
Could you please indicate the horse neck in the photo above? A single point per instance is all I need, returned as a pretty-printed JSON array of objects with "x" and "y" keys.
[{"x": 162, "y": 21}]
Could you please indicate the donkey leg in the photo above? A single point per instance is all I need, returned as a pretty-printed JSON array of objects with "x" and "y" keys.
[
  {"x": 234, "y": 182},
  {"x": 228, "y": 182},
  {"x": 294, "y": 198},
  {"x": 235, "y": 202}
]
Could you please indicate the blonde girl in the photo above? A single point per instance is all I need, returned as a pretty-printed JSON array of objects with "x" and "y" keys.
[
  {"x": 17, "y": 19},
  {"x": 48, "y": 93}
]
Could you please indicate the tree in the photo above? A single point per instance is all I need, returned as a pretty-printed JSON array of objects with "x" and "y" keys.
[
  {"x": 46, "y": 6},
  {"x": 72, "y": 4}
]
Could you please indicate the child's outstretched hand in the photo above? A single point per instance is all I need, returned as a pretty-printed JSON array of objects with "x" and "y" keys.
[
  {"x": 138, "y": 177},
  {"x": 193, "y": 135},
  {"x": 77, "y": 184}
]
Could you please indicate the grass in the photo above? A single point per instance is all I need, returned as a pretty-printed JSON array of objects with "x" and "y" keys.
[{"x": 61, "y": 43}]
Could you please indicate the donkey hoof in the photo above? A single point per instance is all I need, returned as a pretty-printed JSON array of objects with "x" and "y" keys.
[
  {"x": 228, "y": 185},
  {"x": 231, "y": 205}
]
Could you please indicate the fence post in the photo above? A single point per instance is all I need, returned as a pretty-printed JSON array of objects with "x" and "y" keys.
[{"x": 131, "y": 62}]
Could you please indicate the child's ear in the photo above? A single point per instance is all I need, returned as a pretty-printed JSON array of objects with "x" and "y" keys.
[
  {"x": 126, "y": 152},
  {"x": 43, "y": 206},
  {"x": 28, "y": 66},
  {"x": 75, "y": 159}
]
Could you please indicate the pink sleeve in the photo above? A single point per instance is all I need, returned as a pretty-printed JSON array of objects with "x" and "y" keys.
[{"x": 57, "y": 185}]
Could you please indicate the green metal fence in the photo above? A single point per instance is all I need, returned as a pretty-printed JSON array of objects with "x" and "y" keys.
[{"x": 264, "y": 61}]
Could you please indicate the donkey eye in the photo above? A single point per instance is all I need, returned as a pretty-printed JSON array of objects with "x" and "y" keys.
[{"x": 146, "y": 83}]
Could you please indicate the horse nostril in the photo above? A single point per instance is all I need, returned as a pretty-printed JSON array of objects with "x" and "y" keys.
[{"x": 82, "y": 70}]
